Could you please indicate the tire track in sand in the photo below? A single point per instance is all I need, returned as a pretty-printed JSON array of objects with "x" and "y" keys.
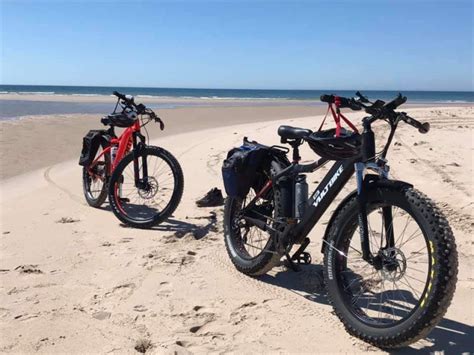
[
  {"x": 71, "y": 195},
  {"x": 447, "y": 178}
]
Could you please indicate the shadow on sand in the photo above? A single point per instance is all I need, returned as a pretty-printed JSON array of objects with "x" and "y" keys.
[
  {"x": 449, "y": 336},
  {"x": 181, "y": 228}
]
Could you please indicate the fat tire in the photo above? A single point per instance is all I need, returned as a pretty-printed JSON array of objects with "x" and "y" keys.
[
  {"x": 436, "y": 229},
  {"x": 97, "y": 202},
  {"x": 175, "y": 198},
  {"x": 265, "y": 261}
]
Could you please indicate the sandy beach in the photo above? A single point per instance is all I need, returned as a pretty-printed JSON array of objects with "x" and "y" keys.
[{"x": 73, "y": 280}]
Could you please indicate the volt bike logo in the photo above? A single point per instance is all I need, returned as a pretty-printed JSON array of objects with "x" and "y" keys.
[{"x": 320, "y": 195}]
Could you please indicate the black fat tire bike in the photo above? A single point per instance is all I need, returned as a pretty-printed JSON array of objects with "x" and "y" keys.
[{"x": 390, "y": 260}]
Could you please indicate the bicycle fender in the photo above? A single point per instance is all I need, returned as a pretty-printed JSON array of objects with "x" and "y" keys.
[{"x": 371, "y": 182}]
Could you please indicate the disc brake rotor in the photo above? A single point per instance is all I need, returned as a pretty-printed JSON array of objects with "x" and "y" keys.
[
  {"x": 394, "y": 264},
  {"x": 150, "y": 190}
]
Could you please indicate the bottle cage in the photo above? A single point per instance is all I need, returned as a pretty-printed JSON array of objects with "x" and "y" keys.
[{"x": 337, "y": 115}]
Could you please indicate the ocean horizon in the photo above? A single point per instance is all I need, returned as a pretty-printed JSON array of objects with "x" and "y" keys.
[
  {"x": 171, "y": 98},
  {"x": 234, "y": 94}
]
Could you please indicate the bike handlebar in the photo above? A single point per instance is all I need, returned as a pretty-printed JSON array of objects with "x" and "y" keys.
[
  {"x": 341, "y": 102},
  {"x": 120, "y": 96},
  {"x": 398, "y": 101},
  {"x": 141, "y": 109},
  {"x": 377, "y": 109},
  {"x": 422, "y": 127}
]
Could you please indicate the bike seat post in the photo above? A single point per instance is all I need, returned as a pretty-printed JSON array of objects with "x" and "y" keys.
[{"x": 296, "y": 151}]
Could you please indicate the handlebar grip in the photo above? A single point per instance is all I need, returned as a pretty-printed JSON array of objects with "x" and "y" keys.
[
  {"x": 105, "y": 121},
  {"x": 327, "y": 98},
  {"x": 422, "y": 127},
  {"x": 399, "y": 100},
  {"x": 162, "y": 124},
  {"x": 119, "y": 95}
]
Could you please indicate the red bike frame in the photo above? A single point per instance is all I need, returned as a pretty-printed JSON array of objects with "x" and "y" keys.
[{"x": 124, "y": 143}]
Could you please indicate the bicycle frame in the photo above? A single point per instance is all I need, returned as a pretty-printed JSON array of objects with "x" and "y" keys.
[
  {"x": 296, "y": 231},
  {"x": 123, "y": 143}
]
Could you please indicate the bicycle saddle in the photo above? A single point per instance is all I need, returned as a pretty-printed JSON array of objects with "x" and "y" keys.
[{"x": 288, "y": 132}]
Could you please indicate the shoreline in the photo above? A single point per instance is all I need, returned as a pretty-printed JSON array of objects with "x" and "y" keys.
[
  {"x": 98, "y": 98},
  {"x": 16, "y": 107}
]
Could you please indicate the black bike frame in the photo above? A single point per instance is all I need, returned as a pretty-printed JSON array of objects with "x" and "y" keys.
[
  {"x": 328, "y": 189},
  {"x": 323, "y": 196}
]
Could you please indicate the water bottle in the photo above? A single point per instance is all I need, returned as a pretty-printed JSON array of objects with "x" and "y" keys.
[
  {"x": 113, "y": 153},
  {"x": 286, "y": 187},
  {"x": 301, "y": 195}
]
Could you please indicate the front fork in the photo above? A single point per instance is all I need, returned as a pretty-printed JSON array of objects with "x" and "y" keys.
[
  {"x": 137, "y": 149},
  {"x": 362, "y": 198}
]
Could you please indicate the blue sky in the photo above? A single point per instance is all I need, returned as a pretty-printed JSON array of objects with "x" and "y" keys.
[{"x": 380, "y": 44}]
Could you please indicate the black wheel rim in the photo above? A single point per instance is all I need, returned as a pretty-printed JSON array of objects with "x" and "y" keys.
[
  {"x": 249, "y": 241},
  {"x": 95, "y": 178},
  {"x": 388, "y": 296},
  {"x": 153, "y": 196}
]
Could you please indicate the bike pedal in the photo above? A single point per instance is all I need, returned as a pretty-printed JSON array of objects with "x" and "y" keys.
[
  {"x": 303, "y": 258},
  {"x": 289, "y": 263}
]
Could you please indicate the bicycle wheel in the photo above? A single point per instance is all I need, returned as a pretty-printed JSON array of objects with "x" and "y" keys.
[
  {"x": 154, "y": 198},
  {"x": 251, "y": 250},
  {"x": 94, "y": 179},
  {"x": 405, "y": 292}
]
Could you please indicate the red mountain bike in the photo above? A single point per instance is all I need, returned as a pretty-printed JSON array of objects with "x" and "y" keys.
[{"x": 144, "y": 183}]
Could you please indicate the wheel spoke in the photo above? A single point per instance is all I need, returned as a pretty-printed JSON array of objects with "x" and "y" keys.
[{"x": 383, "y": 292}]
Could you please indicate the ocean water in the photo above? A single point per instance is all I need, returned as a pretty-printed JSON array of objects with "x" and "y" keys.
[
  {"x": 20, "y": 107},
  {"x": 419, "y": 96}
]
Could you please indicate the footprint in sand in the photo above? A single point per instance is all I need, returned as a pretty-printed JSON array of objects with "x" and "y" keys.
[
  {"x": 66, "y": 220},
  {"x": 151, "y": 255},
  {"x": 143, "y": 345},
  {"x": 121, "y": 291},
  {"x": 183, "y": 343},
  {"x": 140, "y": 308},
  {"x": 28, "y": 269},
  {"x": 16, "y": 290},
  {"x": 165, "y": 289},
  {"x": 101, "y": 315},
  {"x": 241, "y": 313}
]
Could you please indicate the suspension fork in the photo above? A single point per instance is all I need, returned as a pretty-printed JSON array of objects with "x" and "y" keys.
[
  {"x": 388, "y": 226},
  {"x": 362, "y": 217},
  {"x": 362, "y": 198},
  {"x": 137, "y": 149}
]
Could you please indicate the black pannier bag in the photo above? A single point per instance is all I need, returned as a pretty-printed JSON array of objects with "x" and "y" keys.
[
  {"x": 240, "y": 171},
  {"x": 90, "y": 146}
]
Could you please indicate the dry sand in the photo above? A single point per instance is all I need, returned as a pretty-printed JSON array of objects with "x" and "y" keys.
[
  {"x": 91, "y": 285},
  {"x": 33, "y": 142}
]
